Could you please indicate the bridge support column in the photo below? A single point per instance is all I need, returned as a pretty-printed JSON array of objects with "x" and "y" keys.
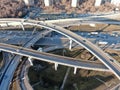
[
  {"x": 22, "y": 27},
  {"x": 7, "y": 24},
  {"x": 70, "y": 46},
  {"x": 75, "y": 70},
  {"x": 30, "y": 60},
  {"x": 20, "y": 60},
  {"x": 34, "y": 30},
  {"x": 56, "y": 66}
]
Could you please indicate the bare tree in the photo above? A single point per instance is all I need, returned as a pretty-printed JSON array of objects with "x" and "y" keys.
[{"x": 12, "y": 8}]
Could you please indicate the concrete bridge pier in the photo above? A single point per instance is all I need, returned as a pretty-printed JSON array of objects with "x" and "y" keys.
[
  {"x": 20, "y": 59},
  {"x": 7, "y": 24},
  {"x": 75, "y": 70},
  {"x": 22, "y": 26},
  {"x": 56, "y": 66},
  {"x": 30, "y": 60},
  {"x": 34, "y": 30},
  {"x": 70, "y": 46}
]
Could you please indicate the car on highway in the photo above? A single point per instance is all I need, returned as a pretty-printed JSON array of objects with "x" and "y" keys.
[
  {"x": 111, "y": 60},
  {"x": 84, "y": 40}
]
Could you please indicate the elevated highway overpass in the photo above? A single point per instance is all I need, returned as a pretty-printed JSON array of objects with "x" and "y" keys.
[
  {"x": 60, "y": 22},
  {"x": 7, "y": 74},
  {"x": 67, "y": 61},
  {"x": 107, "y": 60}
]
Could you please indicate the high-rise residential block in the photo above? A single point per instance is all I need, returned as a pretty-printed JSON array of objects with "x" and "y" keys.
[
  {"x": 48, "y": 2},
  {"x": 74, "y": 3},
  {"x": 29, "y": 2},
  {"x": 115, "y": 2},
  {"x": 98, "y": 2}
]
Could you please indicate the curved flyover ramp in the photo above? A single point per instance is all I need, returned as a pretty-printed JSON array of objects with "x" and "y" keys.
[{"x": 107, "y": 60}]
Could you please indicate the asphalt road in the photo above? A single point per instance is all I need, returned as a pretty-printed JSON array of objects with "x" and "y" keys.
[{"x": 68, "y": 61}]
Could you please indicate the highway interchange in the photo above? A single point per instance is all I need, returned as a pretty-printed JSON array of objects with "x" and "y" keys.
[
  {"x": 8, "y": 74},
  {"x": 108, "y": 61}
]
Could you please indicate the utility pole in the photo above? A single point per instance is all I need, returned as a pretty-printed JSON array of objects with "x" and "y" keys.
[{"x": 65, "y": 78}]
